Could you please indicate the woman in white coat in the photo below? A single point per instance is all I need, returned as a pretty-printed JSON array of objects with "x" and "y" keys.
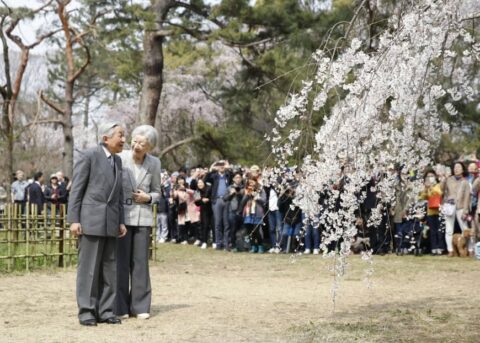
[{"x": 141, "y": 188}]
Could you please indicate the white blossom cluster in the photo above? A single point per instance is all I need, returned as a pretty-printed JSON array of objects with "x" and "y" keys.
[{"x": 387, "y": 112}]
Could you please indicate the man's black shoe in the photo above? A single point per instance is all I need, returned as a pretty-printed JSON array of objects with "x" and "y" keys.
[
  {"x": 112, "y": 320},
  {"x": 88, "y": 322}
]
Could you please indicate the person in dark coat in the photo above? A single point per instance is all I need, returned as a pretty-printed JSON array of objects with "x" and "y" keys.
[
  {"x": 35, "y": 192},
  {"x": 95, "y": 214}
]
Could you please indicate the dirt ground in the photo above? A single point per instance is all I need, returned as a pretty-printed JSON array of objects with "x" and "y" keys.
[{"x": 207, "y": 296}]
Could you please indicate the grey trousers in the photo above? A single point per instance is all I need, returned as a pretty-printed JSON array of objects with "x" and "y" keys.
[
  {"x": 96, "y": 277},
  {"x": 134, "y": 293},
  {"x": 162, "y": 226},
  {"x": 222, "y": 228}
]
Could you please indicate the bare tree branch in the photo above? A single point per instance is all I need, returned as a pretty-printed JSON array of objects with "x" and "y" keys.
[
  {"x": 6, "y": 60},
  {"x": 45, "y": 122},
  {"x": 7, "y": 7},
  {"x": 80, "y": 71},
  {"x": 42, "y": 38},
  {"x": 50, "y": 103},
  {"x": 176, "y": 145},
  {"x": 15, "y": 22}
]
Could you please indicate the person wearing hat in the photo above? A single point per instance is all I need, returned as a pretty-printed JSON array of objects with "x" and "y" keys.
[{"x": 54, "y": 194}]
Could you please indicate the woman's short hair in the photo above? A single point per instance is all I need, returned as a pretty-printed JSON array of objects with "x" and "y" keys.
[
  {"x": 107, "y": 129},
  {"x": 147, "y": 131},
  {"x": 464, "y": 173}
]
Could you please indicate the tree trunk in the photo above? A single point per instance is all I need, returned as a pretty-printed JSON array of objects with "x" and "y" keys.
[
  {"x": 8, "y": 110},
  {"x": 86, "y": 110},
  {"x": 8, "y": 134},
  {"x": 152, "y": 79},
  {"x": 153, "y": 65},
  {"x": 68, "y": 130},
  {"x": 9, "y": 163}
]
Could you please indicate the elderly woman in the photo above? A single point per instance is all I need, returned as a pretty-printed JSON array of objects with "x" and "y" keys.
[
  {"x": 141, "y": 188},
  {"x": 456, "y": 202}
]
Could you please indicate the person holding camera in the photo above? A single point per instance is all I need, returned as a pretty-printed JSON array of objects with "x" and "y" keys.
[
  {"x": 220, "y": 178},
  {"x": 233, "y": 198},
  {"x": 202, "y": 200},
  {"x": 253, "y": 209},
  {"x": 188, "y": 216},
  {"x": 292, "y": 217},
  {"x": 432, "y": 193}
]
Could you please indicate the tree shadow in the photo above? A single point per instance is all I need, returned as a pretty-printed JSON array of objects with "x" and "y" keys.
[
  {"x": 161, "y": 309},
  {"x": 426, "y": 319}
]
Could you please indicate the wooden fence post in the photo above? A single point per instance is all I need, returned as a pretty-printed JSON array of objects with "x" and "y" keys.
[{"x": 61, "y": 243}]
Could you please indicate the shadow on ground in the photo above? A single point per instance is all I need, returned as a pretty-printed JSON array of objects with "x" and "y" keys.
[
  {"x": 431, "y": 319},
  {"x": 158, "y": 310}
]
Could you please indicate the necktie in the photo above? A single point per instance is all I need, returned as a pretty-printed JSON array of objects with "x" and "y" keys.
[{"x": 112, "y": 162}]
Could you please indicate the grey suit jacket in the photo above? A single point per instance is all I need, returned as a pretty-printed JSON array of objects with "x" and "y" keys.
[
  {"x": 96, "y": 195},
  {"x": 148, "y": 180}
]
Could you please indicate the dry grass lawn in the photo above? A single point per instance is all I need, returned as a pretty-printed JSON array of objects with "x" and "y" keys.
[{"x": 207, "y": 296}]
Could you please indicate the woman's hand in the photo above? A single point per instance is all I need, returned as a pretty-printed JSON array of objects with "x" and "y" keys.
[{"x": 141, "y": 197}]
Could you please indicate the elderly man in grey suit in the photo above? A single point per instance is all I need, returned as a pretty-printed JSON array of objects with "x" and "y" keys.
[
  {"x": 141, "y": 188},
  {"x": 95, "y": 211}
]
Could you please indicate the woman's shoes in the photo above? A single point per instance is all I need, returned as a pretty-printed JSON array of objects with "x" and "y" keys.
[
  {"x": 143, "y": 315},
  {"x": 138, "y": 316}
]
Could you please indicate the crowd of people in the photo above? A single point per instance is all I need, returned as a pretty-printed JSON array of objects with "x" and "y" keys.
[
  {"x": 235, "y": 209},
  {"x": 36, "y": 191}
]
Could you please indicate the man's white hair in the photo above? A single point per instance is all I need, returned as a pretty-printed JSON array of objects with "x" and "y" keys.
[{"x": 106, "y": 129}]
